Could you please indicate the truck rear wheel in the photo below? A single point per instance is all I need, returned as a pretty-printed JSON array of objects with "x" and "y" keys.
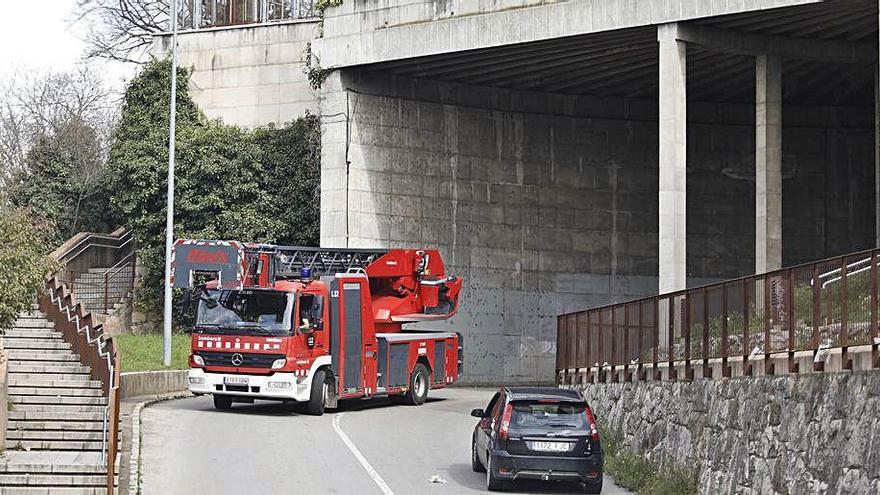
[
  {"x": 318, "y": 394},
  {"x": 419, "y": 383},
  {"x": 222, "y": 402}
]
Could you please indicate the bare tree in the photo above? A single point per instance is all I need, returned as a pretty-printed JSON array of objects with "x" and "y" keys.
[
  {"x": 121, "y": 30},
  {"x": 76, "y": 109}
]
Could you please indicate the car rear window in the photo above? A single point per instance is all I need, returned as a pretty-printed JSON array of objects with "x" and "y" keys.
[{"x": 532, "y": 414}]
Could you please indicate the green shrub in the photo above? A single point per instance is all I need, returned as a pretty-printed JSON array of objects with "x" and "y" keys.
[
  {"x": 24, "y": 260},
  {"x": 641, "y": 475}
]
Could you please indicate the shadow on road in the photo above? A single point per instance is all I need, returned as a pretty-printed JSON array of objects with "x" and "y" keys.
[
  {"x": 270, "y": 408},
  {"x": 463, "y": 475}
]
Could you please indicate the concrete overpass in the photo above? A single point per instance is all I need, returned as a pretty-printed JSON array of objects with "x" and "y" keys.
[{"x": 569, "y": 154}]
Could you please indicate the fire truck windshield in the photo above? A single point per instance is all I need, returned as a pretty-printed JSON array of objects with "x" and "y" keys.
[{"x": 245, "y": 312}]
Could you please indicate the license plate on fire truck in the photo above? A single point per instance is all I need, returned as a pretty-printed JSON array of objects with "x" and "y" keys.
[
  {"x": 550, "y": 446},
  {"x": 235, "y": 380}
]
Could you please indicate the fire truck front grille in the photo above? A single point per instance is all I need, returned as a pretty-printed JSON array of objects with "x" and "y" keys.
[{"x": 248, "y": 360}]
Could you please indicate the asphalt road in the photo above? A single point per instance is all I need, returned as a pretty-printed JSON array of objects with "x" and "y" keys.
[{"x": 367, "y": 447}]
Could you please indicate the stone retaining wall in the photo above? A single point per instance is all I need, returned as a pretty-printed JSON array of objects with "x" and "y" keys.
[{"x": 783, "y": 434}]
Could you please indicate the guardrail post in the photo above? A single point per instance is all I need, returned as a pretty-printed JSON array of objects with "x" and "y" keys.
[
  {"x": 655, "y": 302},
  {"x": 577, "y": 347},
  {"x": 746, "y": 345},
  {"x": 640, "y": 368},
  {"x": 725, "y": 346},
  {"x": 846, "y": 361},
  {"x": 686, "y": 327},
  {"x": 627, "y": 375},
  {"x": 600, "y": 364},
  {"x": 817, "y": 316},
  {"x": 588, "y": 378},
  {"x": 707, "y": 370},
  {"x": 614, "y": 377},
  {"x": 875, "y": 347},
  {"x": 793, "y": 366},
  {"x": 769, "y": 367},
  {"x": 670, "y": 304}
]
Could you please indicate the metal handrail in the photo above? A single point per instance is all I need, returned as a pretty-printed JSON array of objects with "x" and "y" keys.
[
  {"x": 121, "y": 242},
  {"x": 77, "y": 327},
  {"x": 782, "y": 312}
]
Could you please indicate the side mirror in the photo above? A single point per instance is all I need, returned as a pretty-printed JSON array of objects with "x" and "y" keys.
[{"x": 478, "y": 413}]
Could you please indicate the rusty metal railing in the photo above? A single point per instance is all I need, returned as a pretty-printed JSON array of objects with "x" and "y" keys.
[
  {"x": 95, "y": 350},
  {"x": 816, "y": 307}
]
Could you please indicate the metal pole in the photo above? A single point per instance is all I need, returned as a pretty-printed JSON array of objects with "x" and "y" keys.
[{"x": 169, "y": 214}]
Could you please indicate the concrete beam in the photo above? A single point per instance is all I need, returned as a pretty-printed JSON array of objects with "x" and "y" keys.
[
  {"x": 742, "y": 43},
  {"x": 672, "y": 266},
  {"x": 349, "y": 42},
  {"x": 768, "y": 163}
]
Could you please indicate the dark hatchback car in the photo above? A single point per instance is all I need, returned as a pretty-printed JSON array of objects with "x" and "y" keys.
[{"x": 532, "y": 433}]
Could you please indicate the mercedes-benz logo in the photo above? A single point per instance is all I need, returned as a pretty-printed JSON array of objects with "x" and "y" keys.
[{"x": 237, "y": 359}]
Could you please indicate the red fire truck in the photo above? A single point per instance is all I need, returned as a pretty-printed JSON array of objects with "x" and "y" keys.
[{"x": 316, "y": 325}]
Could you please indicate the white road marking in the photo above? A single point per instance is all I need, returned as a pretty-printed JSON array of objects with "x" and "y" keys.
[{"x": 360, "y": 457}]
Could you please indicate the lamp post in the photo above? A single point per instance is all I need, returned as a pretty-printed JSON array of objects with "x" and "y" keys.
[{"x": 169, "y": 213}]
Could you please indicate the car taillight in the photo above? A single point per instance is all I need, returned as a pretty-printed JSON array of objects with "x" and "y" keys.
[
  {"x": 505, "y": 422},
  {"x": 591, "y": 420}
]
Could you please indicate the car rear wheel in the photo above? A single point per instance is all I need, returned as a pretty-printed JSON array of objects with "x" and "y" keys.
[
  {"x": 493, "y": 483},
  {"x": 419, "y": 383},
  {"x": 318, "y": 394},
  {"x": 593, "y": 486},
  {"x": 475, "y": 460},
  {"x": 222, "y": 402}
]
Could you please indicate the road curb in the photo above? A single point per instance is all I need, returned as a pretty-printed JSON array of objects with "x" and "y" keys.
[{"x": 133, "y": 481}]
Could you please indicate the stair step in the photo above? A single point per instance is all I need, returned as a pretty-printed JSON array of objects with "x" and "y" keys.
[
  {"x": 54, "y": 435},
  {"x": 92, "y": 483},
  {"x": 48, "y": 425},
  {"x": 33, "y": 323},
  {"x": 62, "y": 488},
  {"x": 78, "y": 377},
  {"x": 56, "y": 400},
  {"x": 36, "y": 344},
  {"x": 54, "y": 415},
  {"x": 32, "y": 333},
  {"x": 47, "y": 368},
  {"x": 28, "y": 445},
  {"x": 27, "y": 355},
  {"x": 55, "y": 392},
  {"x": 58, "y": 408},
  {"x": 28, "y": 381},
  {"x": 15, "y": 462}
]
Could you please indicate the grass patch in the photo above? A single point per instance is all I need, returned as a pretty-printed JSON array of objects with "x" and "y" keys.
[
  {"x": 641, "y": 475},
  {"x": 144, "y": 352}
]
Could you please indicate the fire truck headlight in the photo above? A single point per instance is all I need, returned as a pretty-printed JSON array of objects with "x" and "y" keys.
[
  {"x": 198, "y": 360},
  {"x": 196, "y": 380},
  {"x": 281, "y": 385},
  {"x": 278, "y": 364}
]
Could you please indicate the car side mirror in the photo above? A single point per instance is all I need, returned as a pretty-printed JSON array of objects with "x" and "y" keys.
[{"x": 478, "y": 413}]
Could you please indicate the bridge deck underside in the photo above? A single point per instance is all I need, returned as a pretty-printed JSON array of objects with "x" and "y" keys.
[{"x": 624, "y": 63}]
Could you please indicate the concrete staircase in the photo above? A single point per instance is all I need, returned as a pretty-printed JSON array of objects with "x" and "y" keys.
[
  {"x": 89, "y": 288},
  {"x": 56, "y": 418}
]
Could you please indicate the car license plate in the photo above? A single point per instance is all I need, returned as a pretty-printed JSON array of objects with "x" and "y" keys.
[
  {"x": 235, "y": 380},
  {"x": 550, "y": 446}
]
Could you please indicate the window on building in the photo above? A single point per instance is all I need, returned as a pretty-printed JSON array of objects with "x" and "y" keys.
[{"x": 195, "y": 14}]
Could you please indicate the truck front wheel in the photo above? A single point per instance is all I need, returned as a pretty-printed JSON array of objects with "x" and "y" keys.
[
  {"x": 419, "y": 383},
  {"x": 222, "y": 402},
  {"x": 318, "y": 394}
]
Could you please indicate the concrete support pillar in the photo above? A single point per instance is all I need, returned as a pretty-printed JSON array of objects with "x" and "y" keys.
[
  {"x": 768, "y": 164},
  {"x": 673, "y": 159}
]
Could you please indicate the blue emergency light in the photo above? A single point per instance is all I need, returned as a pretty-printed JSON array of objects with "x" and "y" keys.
[{"x": 305, "y": 274}]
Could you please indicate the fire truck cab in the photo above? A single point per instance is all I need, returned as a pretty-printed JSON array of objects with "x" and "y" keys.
[{"x": 316, "y": 325}]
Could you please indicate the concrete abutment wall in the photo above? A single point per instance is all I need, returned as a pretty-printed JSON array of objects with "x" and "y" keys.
[
  {"x": 547, "y": 203},
  {"x": 787, "y": 434}
]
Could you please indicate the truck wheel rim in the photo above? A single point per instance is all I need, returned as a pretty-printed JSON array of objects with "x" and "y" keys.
[{"x": 420, "y": 384}]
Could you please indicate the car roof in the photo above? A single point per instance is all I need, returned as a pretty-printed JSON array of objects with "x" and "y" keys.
[{"x": 534, "y": 393}]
